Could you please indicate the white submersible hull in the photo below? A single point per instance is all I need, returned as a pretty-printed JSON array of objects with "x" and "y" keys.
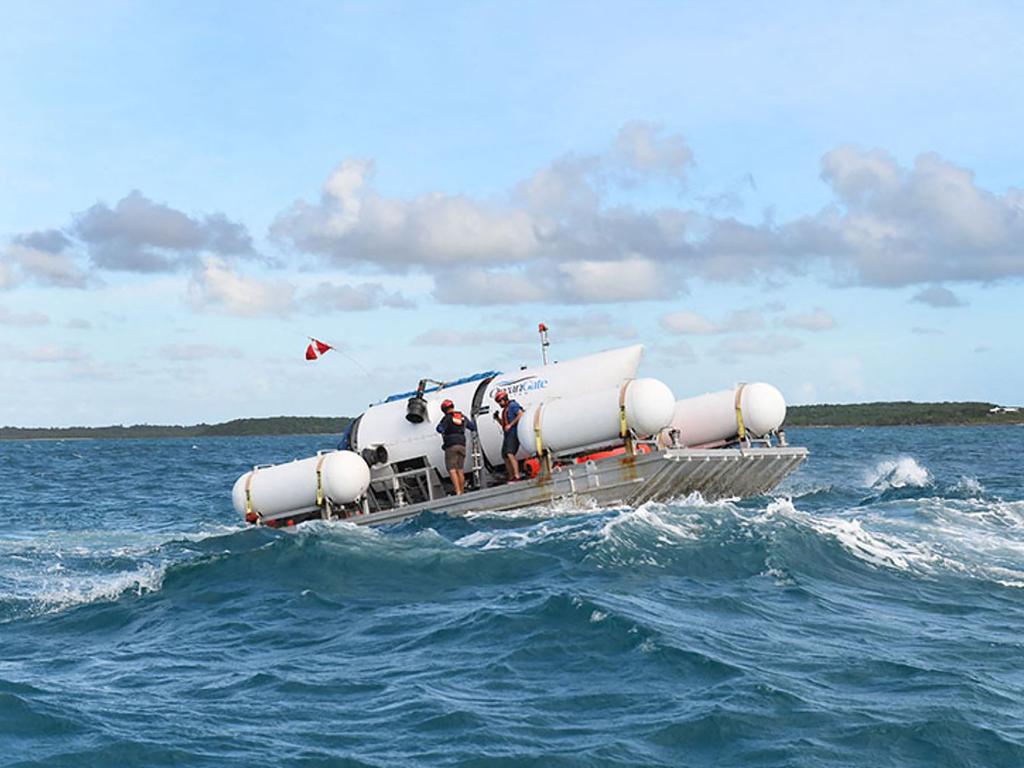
[{"x": 591, "y": 434}]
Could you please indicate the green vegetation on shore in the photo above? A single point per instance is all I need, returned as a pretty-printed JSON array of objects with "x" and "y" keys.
[
  {"x": 855, "y": 415},
  {"x": 899, "y": 414},
  {"x": 278, "y": 425}
]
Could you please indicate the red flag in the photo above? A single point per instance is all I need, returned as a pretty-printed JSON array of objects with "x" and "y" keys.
[{"x": 316, "y": 349}]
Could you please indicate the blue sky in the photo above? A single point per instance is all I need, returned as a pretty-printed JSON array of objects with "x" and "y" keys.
[{"x": 828, "y": 199}]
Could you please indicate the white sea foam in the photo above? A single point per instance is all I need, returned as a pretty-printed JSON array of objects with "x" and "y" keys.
[
  {"x": 519, "y": 538},
  {"x": 968, "y": 537},
  {"x": 898, "y": 473},
  {"x": 696, "y": 499},
  {"x": 872, "y": 547},
  {"x": 969, "y": 485},
  {"x": 53, "y": 595},
  {"x": 64, "y": 564},
  {"x": 556, "y": 508},
  {"x": 669, "y": 526}
]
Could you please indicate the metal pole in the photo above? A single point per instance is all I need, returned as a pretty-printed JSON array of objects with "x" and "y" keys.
[{"x": 544, "y": 343}]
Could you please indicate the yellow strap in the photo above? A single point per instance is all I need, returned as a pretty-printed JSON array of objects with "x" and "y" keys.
[
  {"x": 623, "y": 426},
  {"x": 248, "y": 492},
  {"x": 739, "y": 411},
  {"x": 537, "y": 429},
  {"x": 320, "y": 480}
]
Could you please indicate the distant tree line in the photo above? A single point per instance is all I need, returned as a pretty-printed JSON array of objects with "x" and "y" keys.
[
  {"x": 278, "y": 425},
  {"x": 898, "y": 414}
]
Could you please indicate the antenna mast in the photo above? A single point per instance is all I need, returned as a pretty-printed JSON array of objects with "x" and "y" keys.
[{"x": 544, "y": 343}]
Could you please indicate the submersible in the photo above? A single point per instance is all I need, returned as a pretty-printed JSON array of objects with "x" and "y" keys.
[{"x": 592, "y": 432}]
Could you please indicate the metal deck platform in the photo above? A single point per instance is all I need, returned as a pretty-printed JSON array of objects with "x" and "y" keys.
[{"x": 629, "y": 480}]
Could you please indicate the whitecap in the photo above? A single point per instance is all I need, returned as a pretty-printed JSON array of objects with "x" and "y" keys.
[
  {"x": 56, "y": 595},
  {"x": 969, "y": 485},
  {"x": 898, "y": 473}
]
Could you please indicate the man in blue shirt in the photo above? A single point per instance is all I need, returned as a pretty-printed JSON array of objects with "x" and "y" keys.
[
  {"x": 452, "y": 427},
  {"x": 511, "y": 413}
]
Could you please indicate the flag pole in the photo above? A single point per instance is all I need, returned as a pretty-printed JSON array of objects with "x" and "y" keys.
[{"x": 346, "y": 354}]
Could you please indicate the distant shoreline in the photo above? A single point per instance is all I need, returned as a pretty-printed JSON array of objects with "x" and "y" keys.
[
  {"x": 903, "y": 414},
  {"x": 828, "y": 416},
  {"x": 930, "y": 424},
  {"x": 277, "y": 425}
]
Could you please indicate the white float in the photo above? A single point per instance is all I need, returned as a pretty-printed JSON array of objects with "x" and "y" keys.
[
  {"x": 593, "y": 419},
  {"x": 715, "y": 417},
  {"x": 302, "y": 485}
]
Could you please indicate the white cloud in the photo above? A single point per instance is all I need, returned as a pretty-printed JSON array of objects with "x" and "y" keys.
[
  {"x": 592, "y": 325},
  {"x": 818, "y": 320},
  {"x": 333, "y": 297},
  {"x": 136, "y": 235},
  {"x": 692, "y": 323},
  {"x": 687, "y": 322},
  {"x": 551, "y": 237},
  {"x": 643, "y": 148},
  {"x": 49, "y": 353},
  {"x": 140, "y": 235},
  {"x": 592, "y": 228},
  {"x": 631, "y": 279},
  {"x": 43, "y": 257},
  {"x": 676, "y": 353},
  {"x": 886, "y": 225},
  {"x": 746, "y": 346},
  {"x": 488, "y": 287},
  {"x": 452, "y": 338},
  {"x": 892, "y": 225},
  {"x": 216, "y": 286},
  {"x": 7, "y": 279},
  {"x": 353, "y": 223},
  {"x": 520, "y": 330},
  {"x": 7, "y": 317}
]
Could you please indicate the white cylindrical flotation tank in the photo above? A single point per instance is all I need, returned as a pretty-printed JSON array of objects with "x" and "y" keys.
[
  {"x": 301, "y": 485},
  {"x": 593, "y": 419},
  {"x": 715, "y": 417}
]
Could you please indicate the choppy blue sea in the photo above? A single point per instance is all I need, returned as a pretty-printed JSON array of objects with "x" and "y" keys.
[{"x": 868, "y": 613}]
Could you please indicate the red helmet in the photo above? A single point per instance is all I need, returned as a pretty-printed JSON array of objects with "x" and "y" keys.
[
  {"x": 500, "y": 395},
  {"x": 446, "y": 404}
]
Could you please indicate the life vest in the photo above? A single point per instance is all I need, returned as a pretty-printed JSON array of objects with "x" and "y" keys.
[
  {"x": 454, "y": 429},
  {"x": 504, "y": 414}
]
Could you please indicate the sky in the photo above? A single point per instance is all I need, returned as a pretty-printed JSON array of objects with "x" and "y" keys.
[{"x": 827, "y": 198}]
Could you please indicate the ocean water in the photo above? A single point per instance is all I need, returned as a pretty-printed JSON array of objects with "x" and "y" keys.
[{"x": 870, "y": 612}]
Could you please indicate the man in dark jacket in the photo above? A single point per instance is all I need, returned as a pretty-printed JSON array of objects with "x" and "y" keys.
[
  {"x": 452, "y": 427},
  {"x": 509, "y": 416}
]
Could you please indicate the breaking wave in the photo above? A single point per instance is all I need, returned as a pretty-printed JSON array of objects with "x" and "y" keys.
[
  {"x": 825, "y": 624},
  {"x": 692, "y": 538},
  {"x": 898, "y": 473}
]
